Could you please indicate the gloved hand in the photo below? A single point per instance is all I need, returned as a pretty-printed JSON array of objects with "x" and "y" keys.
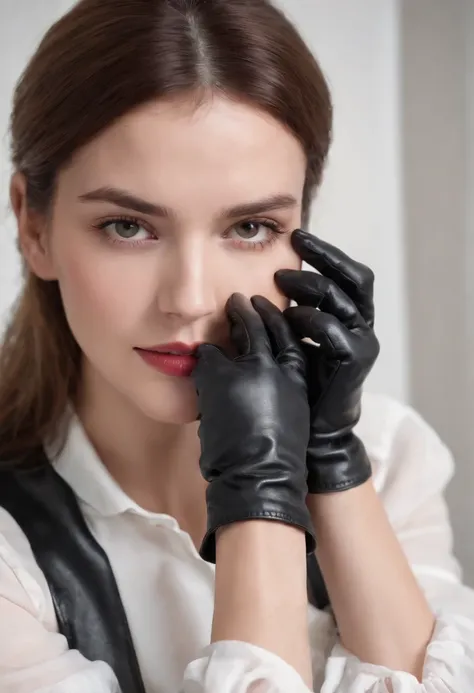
[
  {"x": 254, "y": 423},
  {"x": 338, "y": 367}
]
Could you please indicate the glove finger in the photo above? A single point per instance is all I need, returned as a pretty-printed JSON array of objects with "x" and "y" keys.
[
  {"x": 318, "y": 291},
  {"x": 285, "y": 344},
  {"x": 355, "y": 279},
  {"x": 280, "y": 333},
  {"x": 210, "y": 359},
  {"x": 333, "y": 338},
  {"x": 209, "y": 353},
  {"x": 211, "y": 362},
  {"x": 248, "y": 331}
]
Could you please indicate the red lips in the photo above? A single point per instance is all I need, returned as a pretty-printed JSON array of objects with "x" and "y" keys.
[{"x": 175, "y": 358}]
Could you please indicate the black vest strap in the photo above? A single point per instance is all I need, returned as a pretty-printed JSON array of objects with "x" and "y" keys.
[{"x": 85, "y": 595}]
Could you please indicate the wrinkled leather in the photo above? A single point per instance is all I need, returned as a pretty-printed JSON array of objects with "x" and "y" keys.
[
  {"x": 85, "y": 595},
  {"x": 336, "y": 312},
  {"x": 254, "y": 423}
]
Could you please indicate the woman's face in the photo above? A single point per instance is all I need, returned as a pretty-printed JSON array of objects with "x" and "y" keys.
[{"x": 156, "y": 223}]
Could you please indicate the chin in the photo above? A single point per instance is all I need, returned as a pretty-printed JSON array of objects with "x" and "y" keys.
[{"x": 173, "y": 402}]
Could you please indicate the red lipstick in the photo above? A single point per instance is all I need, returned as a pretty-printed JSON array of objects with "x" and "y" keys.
[{"x": 176, "y": 358}]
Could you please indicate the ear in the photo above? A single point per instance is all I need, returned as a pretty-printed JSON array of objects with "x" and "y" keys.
[{"x": 32, "y": 231}]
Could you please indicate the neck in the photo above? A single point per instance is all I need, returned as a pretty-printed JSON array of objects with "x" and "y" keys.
[{"x": 155, "y": 463}]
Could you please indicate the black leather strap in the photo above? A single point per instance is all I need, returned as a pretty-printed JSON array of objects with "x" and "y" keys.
[
  {"x": 86, "y": 599},
  {"x": 85, "y": 595}
]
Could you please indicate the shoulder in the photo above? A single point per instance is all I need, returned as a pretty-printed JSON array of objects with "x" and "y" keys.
[{"x": 403, "y": 448}]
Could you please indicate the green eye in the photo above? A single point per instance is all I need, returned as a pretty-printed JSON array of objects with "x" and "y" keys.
[
  {"x": 249, "y": 229},
  {"x": 123, "y": 230},
  {"x": 126, "y": 229}
]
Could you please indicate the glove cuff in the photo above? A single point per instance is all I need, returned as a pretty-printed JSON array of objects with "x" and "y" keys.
[
  {"x": 337, "y": 464},
  {"x": 222, "y": 514}
]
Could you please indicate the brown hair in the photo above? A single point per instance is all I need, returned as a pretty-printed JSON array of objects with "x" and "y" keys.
[{"x": 98, "y": 62}]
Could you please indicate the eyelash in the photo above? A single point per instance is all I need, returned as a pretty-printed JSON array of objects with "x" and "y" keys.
[{"x": 275, "y": 228}]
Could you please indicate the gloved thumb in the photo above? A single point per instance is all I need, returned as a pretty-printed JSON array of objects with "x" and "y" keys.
[{"x": 209, "y": 353}]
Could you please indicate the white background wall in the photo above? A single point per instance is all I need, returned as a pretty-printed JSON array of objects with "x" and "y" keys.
[
  {"x": 465, "y": 519},
  {"x": 463, "y": 487},
  {"x": 469, "y": 259},
  {"x": 436, "y": 50},
  {"x": 359, "y": 205}
]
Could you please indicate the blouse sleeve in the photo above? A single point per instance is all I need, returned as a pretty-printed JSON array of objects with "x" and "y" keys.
[
  {"x": 238, "y": 667},
  {"x": 415, "y": 468}
]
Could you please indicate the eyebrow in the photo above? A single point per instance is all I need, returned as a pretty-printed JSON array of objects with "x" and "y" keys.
[{"x": 127, "y": 200}]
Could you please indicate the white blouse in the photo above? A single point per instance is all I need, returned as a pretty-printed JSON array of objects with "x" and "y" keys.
[{"x": 168, "y": 590}]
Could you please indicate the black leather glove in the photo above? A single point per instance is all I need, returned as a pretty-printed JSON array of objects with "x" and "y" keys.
[
  {"x": 338, "y": 367},
  {"x": 254, "y": 423}
]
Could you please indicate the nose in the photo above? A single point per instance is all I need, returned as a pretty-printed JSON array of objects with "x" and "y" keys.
[{"x": 187, "y": 290}]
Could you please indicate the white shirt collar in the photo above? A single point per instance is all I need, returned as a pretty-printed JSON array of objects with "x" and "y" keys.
[{"x": 80, "y": 466}]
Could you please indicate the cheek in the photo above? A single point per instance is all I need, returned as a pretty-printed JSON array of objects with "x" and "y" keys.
[
  {"x": 95, "y": 293},
  {"x": 260, "y": 270}
]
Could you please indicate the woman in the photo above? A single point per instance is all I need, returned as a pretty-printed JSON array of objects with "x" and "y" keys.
[{"x": 171, "y": 450}]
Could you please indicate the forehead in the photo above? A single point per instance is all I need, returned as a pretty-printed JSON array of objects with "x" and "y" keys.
[{"x": 174, "y": 150}]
